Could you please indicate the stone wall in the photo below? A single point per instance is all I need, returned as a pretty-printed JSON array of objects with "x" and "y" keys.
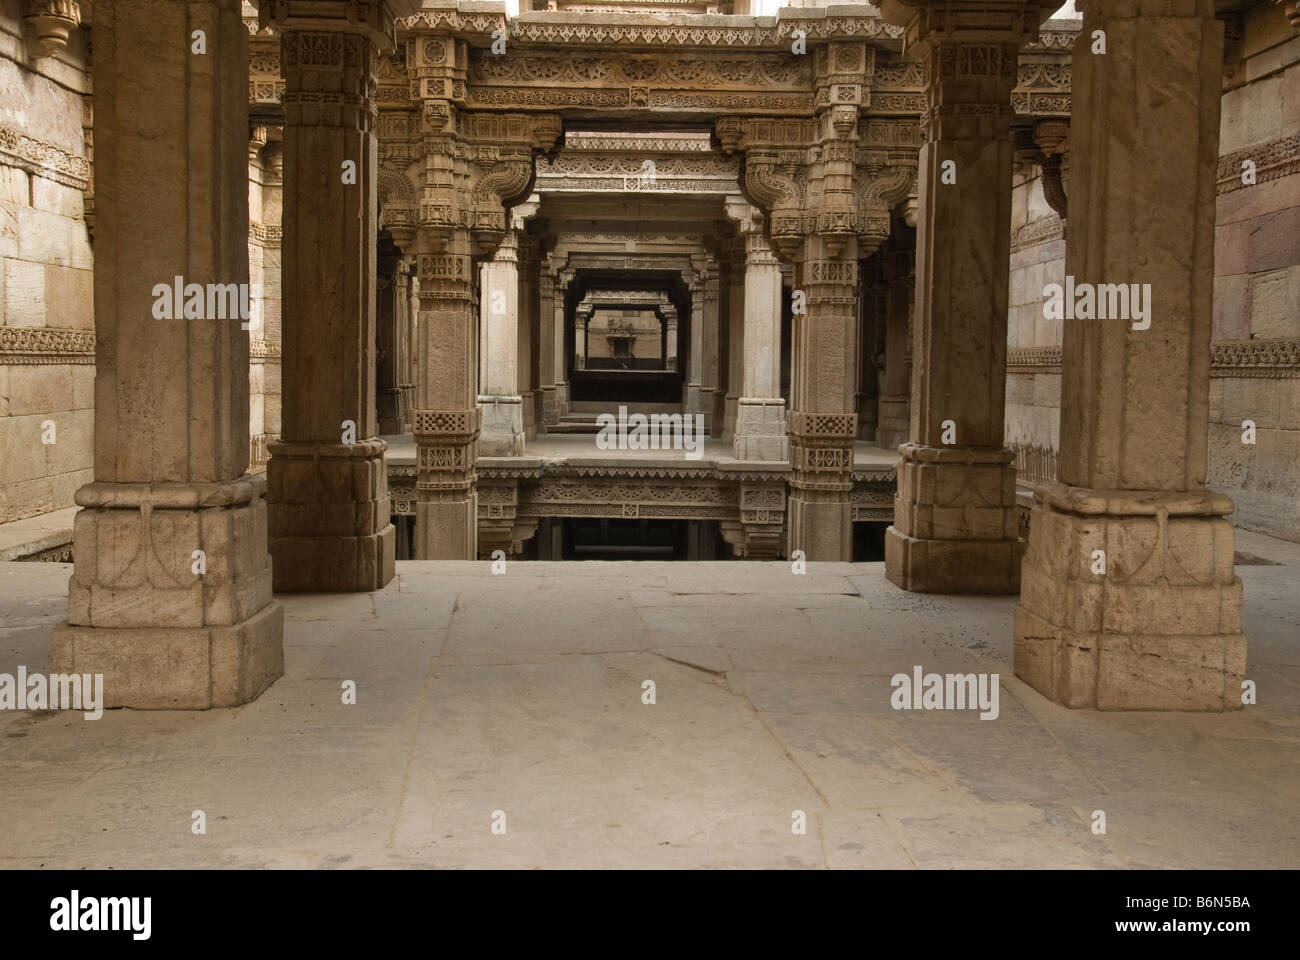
[
  {"x": 47, "y": 341},
  {"x": 1033, "y": 341},
  {"x": 1256, "y": 374}
]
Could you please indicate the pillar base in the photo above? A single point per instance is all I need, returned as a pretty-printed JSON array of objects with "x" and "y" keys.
[
  {"x": 1157, "y": 628},
  {"x": 550, "y": 410},
  {"x": 956, "y": 525},
  {"x": 952, "y": 566},
  {"x": 503, "y": 426},
  {"x": 176, "y": 668},
  {"x": 330, "y": 525},
  {"x": 760, "y": 429},
  {"x": 334, "y": 564}
]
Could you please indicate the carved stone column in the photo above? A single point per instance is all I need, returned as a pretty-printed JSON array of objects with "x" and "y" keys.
[
  {"x": 170, "y": 595},
  {"x": 760, "y": 408},
  {"x": 476, "y": 167},
  {"x": 670, "y": 336},
  {"x": 329, "y": 505},
  {"x": 581, "y": 320},
  {"x": 734, "y": 361},
  {"x": 709, "y": 393},
  {"x": 955, "y": 521},
  {"x": 821, "y": 426},
  {"x": 697, "y": 399},
  {"x": 561, "y": 346},
  {"x": 546, "y": 329},
  {"x": 406, "y": 336},
  {"x": 1129, "y": 600},
  {"x": 499, "y": 397},
  {"x": 528, "y": 347}
]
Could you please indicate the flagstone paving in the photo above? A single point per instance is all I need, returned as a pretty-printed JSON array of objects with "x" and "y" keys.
[{"x": 519, "y": 698}]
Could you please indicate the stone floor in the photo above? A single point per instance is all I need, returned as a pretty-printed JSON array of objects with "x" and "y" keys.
[{"x": 522, "y": 693}]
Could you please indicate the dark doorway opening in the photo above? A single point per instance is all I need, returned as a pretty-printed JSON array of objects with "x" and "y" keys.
[
  {"x": 869, "y": 541},
  {"x": 608, "y": 539}
]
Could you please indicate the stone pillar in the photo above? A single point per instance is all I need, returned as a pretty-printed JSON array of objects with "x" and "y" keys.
[
  {"x": 821, "y": 426},
  {"x": 447, "y": 417},
  {"x": 546, "y": 329},
  {"x": 405, "y": 339},
  {"x": 328, "y": 497},
  {"x": 892, "y": 427},
  {"x": 170, "y": 627},
  {"x": 389, "y": 397},
  {"x": 581, "y": 319},
  {"x": 734, "y": 362},
  {"x": 695, "y": 398},
  {"x": 670, "y": 337},
  {"x": 529, "y": 347},
  {"x": 1129, "y": 600},
  {"x": 955, "y": 520},
  {"x": 499, "y": 398},
  {"x": 710, "y": 396},
  {"x": 561, "y": 353},
  {"x": 760, "y": 408}
]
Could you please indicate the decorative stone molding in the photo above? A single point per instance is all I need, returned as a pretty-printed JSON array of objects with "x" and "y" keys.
[
  {"x": 646, "y": 31},
  {"x": 264, "y": 349},
  {"x": 265, "y": 235},
  {"x": 1043, "y": 230},
  {"x": 1273, "y": 159},
  {"x": 1034, "y": 360},
  {"x": 873, "y": 503},
  {"x": 46, "y": 345},
  {"x": 1273, "y": 359},
  {"x": 43, "y": 159}
]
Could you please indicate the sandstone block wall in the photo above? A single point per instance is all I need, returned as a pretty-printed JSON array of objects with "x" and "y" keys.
[
  {"x": 1033, "y": 342},
  {"x": 1256, "y": 374},
  {"x": 47, "y": 370}
]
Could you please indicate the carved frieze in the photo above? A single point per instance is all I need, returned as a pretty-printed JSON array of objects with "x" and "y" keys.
[{"x": 45, "y": 345}]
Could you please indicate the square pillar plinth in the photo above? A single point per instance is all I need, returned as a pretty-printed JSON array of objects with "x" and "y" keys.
[
  {"x": 955, "y": 524},
  {"x": 503, "y": 426},
  {"x": 331, "y": 530},
  {"x": 760, "y": 429},
  {"x": 170, "y": 597},
  {"x": 1129, "y": 601}
]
